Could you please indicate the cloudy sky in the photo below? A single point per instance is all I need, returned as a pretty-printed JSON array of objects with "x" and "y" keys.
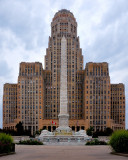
[{"x": 25, "y": 28}]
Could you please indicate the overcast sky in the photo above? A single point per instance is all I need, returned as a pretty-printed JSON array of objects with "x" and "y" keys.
[{"x": 25, "y": 28}]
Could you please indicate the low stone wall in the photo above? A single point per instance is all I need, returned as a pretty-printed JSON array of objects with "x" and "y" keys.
[
  {"x": 60, "y": 138},
  {"x": 20, "y": 138},
  {"x": 104, "y": 138}
]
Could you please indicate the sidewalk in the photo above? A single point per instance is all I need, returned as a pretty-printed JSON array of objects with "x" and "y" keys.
[{"x": 47, "y": 152}]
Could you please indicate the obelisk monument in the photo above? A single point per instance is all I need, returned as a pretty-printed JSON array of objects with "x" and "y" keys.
[{"x": 63, "y": 116}]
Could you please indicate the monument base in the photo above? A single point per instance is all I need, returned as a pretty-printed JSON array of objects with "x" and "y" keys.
[
  {"x": 63, "y": 125},
  {"x": 63, "y": 131},
  {"x": 63, "y": 136}
]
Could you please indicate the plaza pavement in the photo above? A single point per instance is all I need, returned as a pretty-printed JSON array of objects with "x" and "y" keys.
[{"x": 62, "y": 152}]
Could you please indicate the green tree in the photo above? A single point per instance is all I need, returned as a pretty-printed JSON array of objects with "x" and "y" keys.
[
  {"x": 108, "y": 131},
  {"x": 89, "y": 131},
  {"x": 19, "y": 128}
]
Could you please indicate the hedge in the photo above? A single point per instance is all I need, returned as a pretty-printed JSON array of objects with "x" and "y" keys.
[
  {"x": 119, "y": 141},
  {"x": 6, "y": 143}
]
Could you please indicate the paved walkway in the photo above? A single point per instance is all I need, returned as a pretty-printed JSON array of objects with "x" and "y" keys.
[{"x": 45, "y": 152}]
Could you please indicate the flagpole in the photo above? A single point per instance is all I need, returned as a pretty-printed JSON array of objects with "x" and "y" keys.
[{"x": 51, "y": 126}]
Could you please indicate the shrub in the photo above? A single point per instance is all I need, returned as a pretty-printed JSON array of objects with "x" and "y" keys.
[
  {"x": 6, "y": 143},
  {"x": 107, "y": 132},
  {"x": 95, "y": 135},
  {"x": 31, "y": 142},
  {"x": 96, "y": 142},
  {"x": 119, "y": 141},
  {"x": 5, "y": 138},
  {"x": 103, "y": 143}
]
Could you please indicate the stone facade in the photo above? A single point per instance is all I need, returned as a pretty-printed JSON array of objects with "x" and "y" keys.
[
  {"x": 97, "y": 95},
  {"x": 91, "y": 99},
  {"x": 64, "y": 24},
  {"x": 30, "y": 95},
  {"x": 117, "y": 106},
  {"x": 10, "y": 106}
]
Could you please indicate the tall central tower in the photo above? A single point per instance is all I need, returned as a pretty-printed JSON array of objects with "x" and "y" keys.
[{"x": 63, "y": 24}]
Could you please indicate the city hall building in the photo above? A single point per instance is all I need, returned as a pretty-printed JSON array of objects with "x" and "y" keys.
[{"x": 91, "y": 99}]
